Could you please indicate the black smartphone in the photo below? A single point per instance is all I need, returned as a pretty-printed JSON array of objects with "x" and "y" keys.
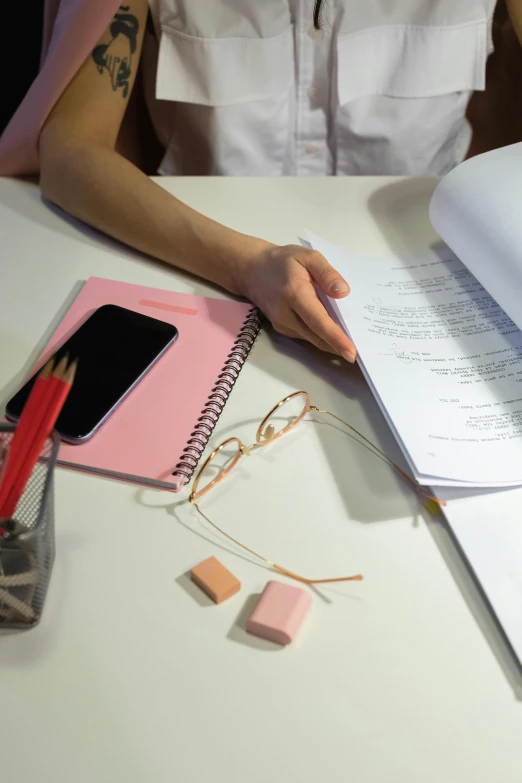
[{"x": 115, "y": 348}]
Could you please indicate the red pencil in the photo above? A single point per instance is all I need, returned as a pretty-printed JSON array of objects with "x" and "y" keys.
[
  {"x": 62, "y": 387},
  {"x": 26, "y": 424}
]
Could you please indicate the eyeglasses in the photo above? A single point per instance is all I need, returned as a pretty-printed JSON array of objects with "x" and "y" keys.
[{"x": 226, "y": 456}]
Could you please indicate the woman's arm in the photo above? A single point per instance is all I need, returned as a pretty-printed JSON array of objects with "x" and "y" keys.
[{"x": 83, "y": 174}]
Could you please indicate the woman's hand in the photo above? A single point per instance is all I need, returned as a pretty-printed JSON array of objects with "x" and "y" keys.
[{"x": 281, "y": 282}]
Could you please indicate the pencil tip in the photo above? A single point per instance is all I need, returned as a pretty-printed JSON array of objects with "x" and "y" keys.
[
  {"x": 71, "y": 372},
  {"x": 47, "y": 370},
  {"x": 61, "y": 367}
]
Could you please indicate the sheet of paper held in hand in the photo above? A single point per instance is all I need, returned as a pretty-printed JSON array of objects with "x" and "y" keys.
[{"x": 443, "y": 359}]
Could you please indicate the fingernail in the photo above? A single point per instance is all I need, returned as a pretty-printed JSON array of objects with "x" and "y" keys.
[
  {"x": 350, "y": 357},
  {"x": 340, "y": 288}
]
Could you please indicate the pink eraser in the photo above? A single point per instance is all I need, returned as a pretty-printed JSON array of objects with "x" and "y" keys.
[{"x": 279, "y": 612}]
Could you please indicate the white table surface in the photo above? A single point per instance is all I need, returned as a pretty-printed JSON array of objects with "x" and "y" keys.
[{"x": 133, "y": 675}]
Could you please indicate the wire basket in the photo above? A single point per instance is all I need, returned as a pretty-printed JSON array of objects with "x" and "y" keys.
[{"x": 27, "y": 546}]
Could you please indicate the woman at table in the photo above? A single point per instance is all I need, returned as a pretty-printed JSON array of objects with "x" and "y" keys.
[{"x": 285, "y": 87}]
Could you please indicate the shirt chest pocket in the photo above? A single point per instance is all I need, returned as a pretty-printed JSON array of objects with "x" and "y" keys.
[
  {"x": 232, "y": 101},
  {"x": 404, "y": 90}
]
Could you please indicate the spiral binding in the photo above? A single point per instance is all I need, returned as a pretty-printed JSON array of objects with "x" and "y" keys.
[{"x": 217, "y": 399}]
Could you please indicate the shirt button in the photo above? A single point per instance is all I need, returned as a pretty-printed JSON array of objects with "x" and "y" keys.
[
  {"x": 313, "y": 91},
  {"x": 315, "y": 35}
]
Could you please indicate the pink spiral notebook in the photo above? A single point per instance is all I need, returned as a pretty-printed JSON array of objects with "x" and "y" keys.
[{"x": 158, "y": 434}]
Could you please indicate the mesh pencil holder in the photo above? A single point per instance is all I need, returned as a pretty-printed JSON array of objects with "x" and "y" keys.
[{"x": 27, "y": 546}]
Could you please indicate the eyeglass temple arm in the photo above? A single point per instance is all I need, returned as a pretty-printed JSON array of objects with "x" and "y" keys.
[
  {"x": 275, "y": 566},
  {"x": 427, "y": 495},
  {"x": 355, "y": 578}
]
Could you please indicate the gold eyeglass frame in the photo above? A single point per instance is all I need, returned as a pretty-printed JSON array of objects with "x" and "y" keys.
[{"x": 265, "y": 435}]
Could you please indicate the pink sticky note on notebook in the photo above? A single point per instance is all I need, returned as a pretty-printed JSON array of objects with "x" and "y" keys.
[{"x": 146, "y": 437}]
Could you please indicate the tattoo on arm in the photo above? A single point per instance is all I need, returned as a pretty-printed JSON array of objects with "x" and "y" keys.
[{"x": 115, "y": 58}]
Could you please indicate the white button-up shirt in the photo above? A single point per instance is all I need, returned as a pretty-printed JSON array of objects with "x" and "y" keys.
[{"x": 250, "y": 88}]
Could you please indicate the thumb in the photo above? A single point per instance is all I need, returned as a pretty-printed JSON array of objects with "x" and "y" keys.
[{"x": 324, "y": 275}]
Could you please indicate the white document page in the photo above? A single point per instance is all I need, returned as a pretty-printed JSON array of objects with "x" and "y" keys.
[
  {"x": 444, "y": 360},
  {"x": 487, "y": 526},
  {"x": 477, "y": 210}
]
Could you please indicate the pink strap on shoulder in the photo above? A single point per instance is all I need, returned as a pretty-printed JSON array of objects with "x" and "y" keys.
[{"x": 71, "y": 29}]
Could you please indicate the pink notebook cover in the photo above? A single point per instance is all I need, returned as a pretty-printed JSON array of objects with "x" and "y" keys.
[{"x": 144, "y": 440}]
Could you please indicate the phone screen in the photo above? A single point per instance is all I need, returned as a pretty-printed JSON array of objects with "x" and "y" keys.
[{"x": 115, "y": 347}]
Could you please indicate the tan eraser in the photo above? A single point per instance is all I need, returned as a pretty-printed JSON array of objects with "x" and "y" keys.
[{"x": 215, "y": 580}]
